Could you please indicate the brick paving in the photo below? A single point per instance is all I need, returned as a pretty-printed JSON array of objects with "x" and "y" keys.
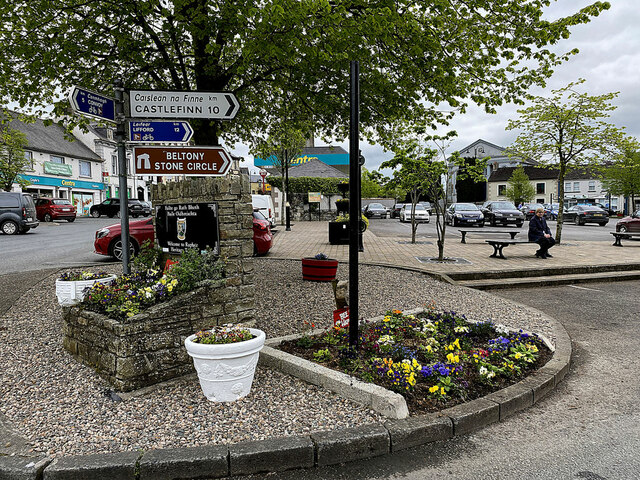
[{"x": 305, "y": 239}]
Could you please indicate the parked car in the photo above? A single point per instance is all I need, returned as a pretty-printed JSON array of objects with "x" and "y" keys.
[
  {"x": 502, "y": 212},
  {"x": 108, "y": 240},
  {"x": 395, "y": 210},
  {"x": 148, "y": 208},
  {"x": 551, "y": 210},
  {"x": 262, "y": 236},
  {"x": 427, "y": 206},
  {"x": 581, "y": 214},
  {"x": 264, "y": 203},
  {"x": 463, "y": 214},
  {"x": 111, "y": 208},
  {"x": 420, "y": 215},
  {"x": 375, "y": 210},
  {"x": 630, "y": 223},
  {"x": 17, "y": 213},
  {"x": 529, "y": 210},
  {"x": 50, "y": 209}
]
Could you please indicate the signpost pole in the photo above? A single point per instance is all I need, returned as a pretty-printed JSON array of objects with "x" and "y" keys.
[
  {"x": 122, "y": 175},
  {"x": 354, "y": 204}
]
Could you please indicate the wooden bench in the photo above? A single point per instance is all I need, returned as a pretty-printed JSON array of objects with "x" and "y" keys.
[
  {"x": 464, "y": 232},
  {"x": 498, "y": 245},
  {"x": 620, "y": 235}
]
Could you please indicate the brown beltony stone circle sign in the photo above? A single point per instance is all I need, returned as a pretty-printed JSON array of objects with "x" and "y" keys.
[{"x": 181, "y": 161}]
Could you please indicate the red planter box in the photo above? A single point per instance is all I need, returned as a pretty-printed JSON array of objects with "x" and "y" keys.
[{"x": 319, "y": 270}]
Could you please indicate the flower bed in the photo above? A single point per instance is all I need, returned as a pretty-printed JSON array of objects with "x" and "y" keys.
[{"x": 435, "y": 359}]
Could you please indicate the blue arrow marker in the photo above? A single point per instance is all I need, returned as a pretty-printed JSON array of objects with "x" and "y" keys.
[
  {"x": 159, "y": 131},
  {"x": 92, "y": 104}
]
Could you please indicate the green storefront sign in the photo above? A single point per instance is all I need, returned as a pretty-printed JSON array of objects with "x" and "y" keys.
[{"x": 57, "y": 169}]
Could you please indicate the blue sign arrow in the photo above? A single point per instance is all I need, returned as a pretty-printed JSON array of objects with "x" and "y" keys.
[
  {"x": 93, "y": 104},
  {"x": 159, "y": 131}
]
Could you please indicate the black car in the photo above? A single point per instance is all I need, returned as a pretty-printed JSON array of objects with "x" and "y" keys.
[
  {"x": 581, "y": 214},
  {"x": 395, "y": 211},
  {"x": 17, "y": 213},
  {"x": 463, "y": 214},
  {"x": 502, "y": 212},
  {"x": 375, "y": 210},
  {"x": 111, "y": 208}
]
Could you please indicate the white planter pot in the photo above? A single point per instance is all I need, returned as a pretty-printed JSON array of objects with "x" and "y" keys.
[
  {"x": 226, "y": 370},
  {"x": 71, "y": 292}
]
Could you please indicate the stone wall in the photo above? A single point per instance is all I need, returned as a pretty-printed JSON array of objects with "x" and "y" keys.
[{"x": 149, "y": 347}]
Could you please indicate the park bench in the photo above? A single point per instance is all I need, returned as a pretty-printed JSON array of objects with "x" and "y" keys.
[
  {"x": 498, "y": 245},
  {"x": 464, "y": 232},
  {"x": 620, "y": 235}
]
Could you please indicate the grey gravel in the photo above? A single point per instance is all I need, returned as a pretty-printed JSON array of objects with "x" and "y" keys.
[{"x": 64, "y": 408}]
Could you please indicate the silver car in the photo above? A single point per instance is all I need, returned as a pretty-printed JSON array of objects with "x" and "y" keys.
[{"x": 421, "y": 214}]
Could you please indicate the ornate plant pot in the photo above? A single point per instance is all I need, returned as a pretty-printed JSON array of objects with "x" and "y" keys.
[
  {"x": 226, "y": 370},
  {"x": 71, "y": 292},
  {"x": 319, "y": 270}
]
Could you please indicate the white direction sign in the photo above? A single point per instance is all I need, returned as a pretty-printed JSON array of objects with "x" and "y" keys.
[{"x": 173, "y": 104}]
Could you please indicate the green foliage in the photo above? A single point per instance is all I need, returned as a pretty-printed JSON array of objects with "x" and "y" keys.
[
  {"x": 12, "y": 158},
  {"x": 414, "y": 57},
  {"x": 195, "y": 267},
  {"x": 223, "y": 334},
  {"x": 623, "y": 177},
  {"x": 568, "y": 131},
  {"x": 147, "y": 258},
  {"x": 326, "y": 186},
  {"x": 372, "y": 184},
  {"x": 322, "y": 356},
  {"x": 519, "y": 188}
]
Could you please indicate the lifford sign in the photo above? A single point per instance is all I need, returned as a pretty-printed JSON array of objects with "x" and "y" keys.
[{"x": 181, "y": 161}]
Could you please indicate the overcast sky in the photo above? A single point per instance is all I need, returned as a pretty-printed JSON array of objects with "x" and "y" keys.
[{"x": 609, "y": 61}]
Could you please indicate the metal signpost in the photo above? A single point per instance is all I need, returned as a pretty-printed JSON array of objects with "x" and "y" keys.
[
  {"x": 176, "y": 104},
  {"x": 354, "y": 204},
  {"x": 159, "y": 131}
]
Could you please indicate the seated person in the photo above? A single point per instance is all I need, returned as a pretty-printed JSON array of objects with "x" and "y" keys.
[{"x": 540, "y": 233}]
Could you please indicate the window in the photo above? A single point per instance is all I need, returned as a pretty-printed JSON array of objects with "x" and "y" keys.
[
  {"x": 114, "y": 165},
  {"x": 539, "y": 188},
  {"x": 592, "y": 185},
  {"x": 56, "y": 159},
  {"x": 85, "y": 169},
  {"x": 29, "y": 157},
  {"x": 567, "y": 186},
  {"x": 576, "y": 186},
  {"x": 502, "y": 190}
]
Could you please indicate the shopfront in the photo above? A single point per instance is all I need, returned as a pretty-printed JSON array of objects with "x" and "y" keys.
[{"x": 82, "y": 194}]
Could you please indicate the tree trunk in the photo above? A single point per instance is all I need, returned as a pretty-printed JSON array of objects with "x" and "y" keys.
[{"x": 559, "y": 221}]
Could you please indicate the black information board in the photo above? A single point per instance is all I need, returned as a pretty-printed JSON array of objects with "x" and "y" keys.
[{"x": 188, "y": 225}]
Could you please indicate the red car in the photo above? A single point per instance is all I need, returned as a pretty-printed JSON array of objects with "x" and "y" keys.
[
  {"x": 629, "y": 224},
  {"x": 50, "y": 209},
  {"x": 108, "y": 240}
]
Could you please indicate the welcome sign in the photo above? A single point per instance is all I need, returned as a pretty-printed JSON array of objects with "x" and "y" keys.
[{"x": 188, "y": 225}]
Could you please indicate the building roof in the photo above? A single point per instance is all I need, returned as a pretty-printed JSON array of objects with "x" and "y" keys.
[
  {"x": 534, "y": 173},
  {"x": 51, "y": 139},
  {"x": 581, "y": 174},
  {"x": 315, "y": 168},
  {"x": 322, "y": 150}
]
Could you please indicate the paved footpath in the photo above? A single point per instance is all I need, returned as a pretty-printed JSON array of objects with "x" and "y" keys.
[{"x": 305, "y": 239}]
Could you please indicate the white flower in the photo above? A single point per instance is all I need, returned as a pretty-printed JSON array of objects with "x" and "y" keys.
[{"x": 461, "y": 329}]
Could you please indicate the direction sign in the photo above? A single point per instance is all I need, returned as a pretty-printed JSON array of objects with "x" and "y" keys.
[
  {"x": 92, "y": 104},
  {"x": 162, "y": 104},
  {"x": 210, "y": 161},
  {"x": 159, "y": 131}
]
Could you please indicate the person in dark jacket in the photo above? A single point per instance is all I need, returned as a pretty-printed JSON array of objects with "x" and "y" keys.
[{"x": 540, "y": 233}]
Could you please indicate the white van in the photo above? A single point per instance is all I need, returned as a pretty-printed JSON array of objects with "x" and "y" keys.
[{"x": 264, "y": 203}]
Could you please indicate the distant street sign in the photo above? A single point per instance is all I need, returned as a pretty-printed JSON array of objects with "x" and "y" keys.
[
  {"x": 210, "y": 161},
  {"x": 174, "y": 104},
  {"x": 159, "y": 131},
  {"x": 92, "y": 104}
]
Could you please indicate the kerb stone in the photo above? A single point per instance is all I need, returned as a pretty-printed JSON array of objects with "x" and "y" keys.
[
  {"x": 273, "y": 455},
  {"x": 469, "y": 417},
  {"x": 414, "y": 431},
  {"x": 22, "y": 468},
  {"x": 197, "y": 462},
  {"x": 111, "y": 466},
  {"x": 512, "y": 399},
  {"x": 351, "y": 444}
]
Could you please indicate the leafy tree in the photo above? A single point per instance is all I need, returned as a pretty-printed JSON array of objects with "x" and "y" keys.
[
  {"x": 415, "y": 55},
  {"x": 13, "y": 160},
  {"x": 567, "y": 131},
  {"x": 519, "y": 188},
  {"x": 370, "y": 184},
  {"x": 623, "y": 177}
]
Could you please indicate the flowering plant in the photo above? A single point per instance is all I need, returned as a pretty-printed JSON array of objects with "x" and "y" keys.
[
  {"x": 433, "y": 359},
  {"x": 76, "y": 276},
  {"x": 223, "y": 334},
  {"x": 321, "y": 256}
]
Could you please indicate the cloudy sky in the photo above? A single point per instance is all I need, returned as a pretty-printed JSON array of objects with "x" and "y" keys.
[{"x": 609, "y": 59}]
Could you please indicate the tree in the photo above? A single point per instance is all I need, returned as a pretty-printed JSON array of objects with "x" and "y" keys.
[
  {"x": 414, "y": 55},
  {"x": 420, "y": 172},
  {"x": 567, "y": 131},
  {"x": 371, "y": 184},
  {"x": 13, "y": 160},
  {"x": 623, "y": 177},
  {"x": 519, "y": 188}
]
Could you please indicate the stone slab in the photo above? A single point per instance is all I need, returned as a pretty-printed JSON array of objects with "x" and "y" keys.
[
  {"x": 22, "y": 468},
  {"x": 108, "y": 466},
  {"x": 272, "y": 455},
  {"x": 512, "y": 399},
  {"x": 540, "y": 383},
  {"x": 469, "y": 417},
  {"x": 351, "y": 444},
  {"x": 176, "y": 463},
  {"x": 410, "y": 432}
]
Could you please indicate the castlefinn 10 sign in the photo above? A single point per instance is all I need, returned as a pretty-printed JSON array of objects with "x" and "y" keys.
[
  {"x": 199, "y": 161},
  {"x": 175, "y": 104}
]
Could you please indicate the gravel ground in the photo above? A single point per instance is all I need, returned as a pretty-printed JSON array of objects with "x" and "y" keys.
[{"x": 64, "y": 408}]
